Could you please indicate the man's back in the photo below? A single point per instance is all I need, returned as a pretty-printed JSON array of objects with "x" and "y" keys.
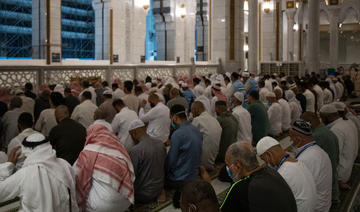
[
  {"x": 211, "y": 131},
  {"x": 107, "y": 108},
  {"x": 263, "y": 190},
  {"x": 244, "y": 120},
  {"x": 184, "y": 157},
  {"x": 302, "y": 184},
  {"x": 84, "y": 113},
  {"x": 286, "y": 114},
  {"x": 132, "y": 102},
  {"x": 259, "y": 121},
  {"x": 9, "y": 124},
  {"x": 148, "y": 158},
  {"x": 68, "y": 138},
  {"x": 229, "y": 132},
  {"x": 275, "y": 118}
]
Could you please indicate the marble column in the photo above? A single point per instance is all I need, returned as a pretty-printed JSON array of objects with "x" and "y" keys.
[
  {"x": 241, "y": 39},
  {"x": 46, "y": 42},
  {"x": 334, "y": 35},
  {"x": 290, "y": 13},
  {"x": 313, "y": 37},
  {"x": 253, "y": 36}
]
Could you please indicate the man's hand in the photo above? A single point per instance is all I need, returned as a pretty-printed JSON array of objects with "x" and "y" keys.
[
  {"x": 143, "y": 103},
  {"x": 14, "y": 155}
]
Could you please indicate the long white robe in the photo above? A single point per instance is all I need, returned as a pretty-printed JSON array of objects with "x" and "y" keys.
[
  {"x": 43, "y": 184},
  {"x": 84, "y": 113},
  {"x": 347, "y": 135},
  {"x": 310, "y": 101},
  {"x": 286, "y": 115},
  {"x": 206, "y": 102},
  {"x": 320, "y": 96},
  {"x": 244, "y": 119},
  {"x": 328, "y": 96},
  {"x": 275, "y": 119},
  {"x": 319, "y": 164},
  {"x": 46, "y": 121}
]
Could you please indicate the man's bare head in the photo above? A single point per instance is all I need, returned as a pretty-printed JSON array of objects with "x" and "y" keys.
[
  {"x": 197, "y": 108},
  {"x": 61, "y": 113}
]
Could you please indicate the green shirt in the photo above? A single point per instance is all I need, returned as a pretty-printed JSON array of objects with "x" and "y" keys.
[
  {"x": 229, "y": 127},
  {"x": 259, "y": 121}
]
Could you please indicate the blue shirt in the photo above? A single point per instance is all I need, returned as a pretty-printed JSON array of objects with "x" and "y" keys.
[
  {"x": 240, "y": 87},
  {"x": 184, "y": 157},
  {"x": 189, "y": 96}
]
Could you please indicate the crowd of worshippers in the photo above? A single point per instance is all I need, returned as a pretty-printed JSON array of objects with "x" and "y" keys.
[{"x": 99, "y": 148}]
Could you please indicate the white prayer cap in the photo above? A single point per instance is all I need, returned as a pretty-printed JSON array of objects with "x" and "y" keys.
[
  {"x": 108, "y": 92},
  {"x": 340, "y": 106},
  {"x": 289, "y": 95},
  {"x": 154, "y": 81},
  {"x": 264, "y": 144},
  {"x": 136, "y": 124},
  {"x": 271, "y": 94},
  {"x": 239, "y": 96},
  {"x": 184, "y": 85},
  {"x": 328, "y": 108},
  {"x": 59, "y": 88},
  {"x": 228, "y": 74},
  {"x": 245, "y": 74},
  {"x": 19, "y": 91},
  {"x": 148, "y": 85}
]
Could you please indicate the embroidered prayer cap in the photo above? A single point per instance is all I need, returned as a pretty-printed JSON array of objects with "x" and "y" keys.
[
  {"x": 302, "y": 127},
  {"x": 239, "y": 96}
]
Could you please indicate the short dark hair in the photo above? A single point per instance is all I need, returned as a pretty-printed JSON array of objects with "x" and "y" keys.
[
  {"x": 128, "y": 85},
  {"x": 28, "y": 86},
  {"x": 138, "y": 89},
  {"x": 25, "y": 120},
  {"x": 109, "y": 96},
  {"x": 220, "y": 103},
  {"x": 254, "y": 94},
  {"x": 179, "y": 111},
  {"x": 105, "y": 84},
  {"x": 235, "y": 75},
  {"x": 196, "y": 80},
  {"x": 57, "y": 99},
  {"x": 148, "y": 79},
  {"x": 114, "y": 85},
  {"x": 198, "y": 191},
  {"x": 67, "y": 90},
  {"x": 86, "y": 84},
  {"x": 207, "y": 81},
  {"x": 16, "y": 102},
  {"x": 87, "y": 95},
  {"x": 118, "y": 102}
]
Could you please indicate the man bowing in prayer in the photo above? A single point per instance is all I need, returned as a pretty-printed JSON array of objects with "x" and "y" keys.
[
  {"x": 104, "y": 173},
  {"x": 44, "y": 183}
]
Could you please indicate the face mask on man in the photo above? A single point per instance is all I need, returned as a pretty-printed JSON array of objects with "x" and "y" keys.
[{"x": 269, "y": 103}]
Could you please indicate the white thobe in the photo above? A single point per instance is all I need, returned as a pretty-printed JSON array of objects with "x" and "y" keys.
[
  {"x": 28, "y": 104},
  {"x": 43, "y": 184},
  {"x": 118, "y": 94},
  {"x": 286, "y": 115},
  {"x": 244, "y": 119},
  {"x": 302, "y": 184},
  {"x": 46, "y": 121},
  {"x": 198, "y": 90},
  {"x": 275, "y": 119},
  {"x": 84, "y": 113},
  {"x": 132, "y": 102},
  {"x": 228, "y": 90},
  {"x": 262, "y": 94},
  {"x": 320, "y": 96},
  {"x": 120, "y": 126},
  {"x": 211, "y": 131},
  {"x": 347, "y": 135},
  {"x": 158, "y": 119},
  {"x": 103, "y": 198},
  {"x": 268, "y": 85},
  {"x": 208, "y": 92},
  {"x": 145, "y": 96},
  {"x": 310, "y": 101},
  {"x": 17, "y": 142},
  {"x": 328, "y": 96},
  {"x": 339, "y": 90},
  {"x": 206, "y": 102},
  {"x": 3, "y": 157},
  {"x": 319, "y": 164},
  {"x": 296, "y": 110},
  {"x": 93, "y": 94},
  {"x": 213, "y": 105},
  {"x": 332, "y": 87}
]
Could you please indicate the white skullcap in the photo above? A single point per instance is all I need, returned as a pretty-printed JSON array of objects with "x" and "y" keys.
[
  {"x": 329, "y": 108},
  {"x": 19, "y": 91},
  {"x": 239, "y": 96},
  {"x": 36, "y": 137},
  {"x": 108, "y": 92},
  {"x": 264, "y": 144},
  {"x": 154, "y": 81},
  {"x": 292, "y": 86},
  {"x": 228, "y": 74},
  {"x": 184, "y": 85},
  {"x": 271, "y": 94},
  {"x": 148, "y": 85},
  {"x": 59, "y": 88},
  {"x": 340, "y": 106},
  {"x": 136, "y": 124},
  {"x": 245, "y": 74}
]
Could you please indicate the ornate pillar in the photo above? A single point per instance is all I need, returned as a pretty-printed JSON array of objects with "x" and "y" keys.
[
  {"x": 313, "y": 37},
  {"x": 334, "y": 35},
  {"x": 46, "y": 30},
  {"x": 290, "y": 13},
  {"x": 253, "y": 36}
]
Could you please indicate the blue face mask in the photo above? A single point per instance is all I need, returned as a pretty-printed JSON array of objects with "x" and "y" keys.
[
  {"x": 269, "y": 103},
  {"x": 229, "y": 173}
]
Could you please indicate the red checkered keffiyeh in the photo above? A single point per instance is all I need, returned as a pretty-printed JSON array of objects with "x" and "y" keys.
[{"x": 105, "y": 157}]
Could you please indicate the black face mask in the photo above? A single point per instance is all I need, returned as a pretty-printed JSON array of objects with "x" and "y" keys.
[{"x": 152, "y": 105}]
